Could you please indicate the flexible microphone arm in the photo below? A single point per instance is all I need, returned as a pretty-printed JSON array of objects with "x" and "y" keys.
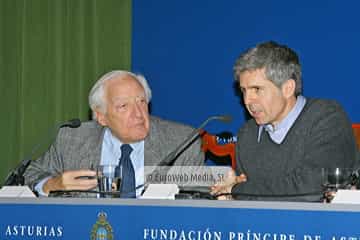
[
  {"x": 170, "y": 158},
  {"x": 16, "y": 176}
]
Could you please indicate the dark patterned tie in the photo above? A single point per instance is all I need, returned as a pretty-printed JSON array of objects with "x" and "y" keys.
[{"x": 127, "y": 188}]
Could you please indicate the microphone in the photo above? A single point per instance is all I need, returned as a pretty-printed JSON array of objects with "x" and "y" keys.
[
  {"x": 170, "y": 158},
  {"x": 73, "y": 123},
  {"x": 16, "y": 176}
]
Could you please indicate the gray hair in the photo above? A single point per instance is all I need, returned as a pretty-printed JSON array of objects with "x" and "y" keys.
[
  {"x": 97, "y": 92},
  {"x": 280, "y": 62}
]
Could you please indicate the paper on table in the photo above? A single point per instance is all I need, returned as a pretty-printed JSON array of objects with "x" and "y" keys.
[
  {"x": 160, "y": 191},
  {"x": 16, "y": 191},
  {"x": 347, "y": 196}
]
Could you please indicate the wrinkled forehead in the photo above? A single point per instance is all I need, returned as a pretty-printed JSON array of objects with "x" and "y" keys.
[
  {"x": 128, "y": 99},
  {"x": 253, "y": 76},
  {"x": 124, "y": 89}
]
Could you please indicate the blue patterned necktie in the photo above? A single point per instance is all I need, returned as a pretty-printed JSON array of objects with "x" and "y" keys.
[{"x": 127, "y": 188}]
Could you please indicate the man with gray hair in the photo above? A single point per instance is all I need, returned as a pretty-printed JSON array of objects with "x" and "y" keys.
[
  {"x": 119, "y": 101},
  {"x": 281, "y": 151}
]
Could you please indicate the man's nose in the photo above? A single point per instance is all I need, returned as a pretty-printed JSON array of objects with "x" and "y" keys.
[
  {"x": 248, "y": 98},
  {"x": 137, "y": 109}
]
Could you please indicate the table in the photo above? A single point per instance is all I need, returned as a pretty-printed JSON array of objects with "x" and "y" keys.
[{"x": 85, "y": 218}]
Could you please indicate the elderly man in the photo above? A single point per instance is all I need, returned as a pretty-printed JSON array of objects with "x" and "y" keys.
[
  {"x": 119, "y": 101},
  {"x": 282, "y": 150}
]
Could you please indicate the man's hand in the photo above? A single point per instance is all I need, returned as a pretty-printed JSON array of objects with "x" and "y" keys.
[
  {"x": 72, "y": 180},
  {"x": 225, "y": 186}
]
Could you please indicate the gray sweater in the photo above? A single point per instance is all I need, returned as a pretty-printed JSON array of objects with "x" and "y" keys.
[{"x": 321, "y": 137}]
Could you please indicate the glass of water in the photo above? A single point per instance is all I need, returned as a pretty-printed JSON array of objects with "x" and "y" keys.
[
  {"x": 108, "y": 183},
  {"x": 336, "y": 178}
]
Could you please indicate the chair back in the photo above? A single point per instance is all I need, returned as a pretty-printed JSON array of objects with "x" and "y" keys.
[
  {"x": 356, "y": 130},
  {"x": 219, "y": 148}
]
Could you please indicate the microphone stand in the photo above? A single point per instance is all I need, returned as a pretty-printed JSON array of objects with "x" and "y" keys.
[
  {"x": 16, "y": 177},
  {"x": 170, "y": 158}
]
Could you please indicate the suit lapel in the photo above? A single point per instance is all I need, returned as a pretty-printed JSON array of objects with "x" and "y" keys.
[
  {"x": 152, "y": 154},
  {"x": 91, "y": 150}
]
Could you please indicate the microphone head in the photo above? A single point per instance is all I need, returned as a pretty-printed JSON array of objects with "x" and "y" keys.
[
  {"x": 73, "y": 123},
  {"x": 225, "y": 118}
]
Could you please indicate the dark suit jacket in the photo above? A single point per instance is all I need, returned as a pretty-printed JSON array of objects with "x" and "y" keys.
[{"x": 80, "y": 148}]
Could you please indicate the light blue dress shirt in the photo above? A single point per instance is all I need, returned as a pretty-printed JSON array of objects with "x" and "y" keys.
[
  {"x": 111, "y": 153},
  {"x": 278, "y": 133}
]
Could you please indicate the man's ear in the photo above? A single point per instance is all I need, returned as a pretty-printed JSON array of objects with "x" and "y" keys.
[
  {"x": 288, "y": 88},
  {"x": 101, "y": 118}
]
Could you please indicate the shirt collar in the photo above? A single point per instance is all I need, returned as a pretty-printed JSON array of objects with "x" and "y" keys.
[
  {"x": 113, "y": 145},
  {"x": 279, "y": 132}
]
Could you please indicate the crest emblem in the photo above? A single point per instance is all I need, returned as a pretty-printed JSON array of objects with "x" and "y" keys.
[{"x": 102, "y": 230}]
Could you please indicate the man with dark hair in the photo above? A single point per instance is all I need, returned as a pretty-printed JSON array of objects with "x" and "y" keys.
[{"x": 282, "y": 150}]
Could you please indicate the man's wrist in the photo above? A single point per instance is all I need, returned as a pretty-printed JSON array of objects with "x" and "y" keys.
[{"x": 39, "y": 187}]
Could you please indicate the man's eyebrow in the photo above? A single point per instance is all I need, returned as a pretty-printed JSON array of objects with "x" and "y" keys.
[
  {"x": 122, "y": 99},
  {"x": 119, "y": 99},
  {"x": 251, "y": 87}
]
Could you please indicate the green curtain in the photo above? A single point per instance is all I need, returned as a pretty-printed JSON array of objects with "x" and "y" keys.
[{"x": 51, "y": 52}]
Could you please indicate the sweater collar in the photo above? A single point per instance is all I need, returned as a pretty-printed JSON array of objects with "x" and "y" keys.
[{"x": 278, "y": 133}]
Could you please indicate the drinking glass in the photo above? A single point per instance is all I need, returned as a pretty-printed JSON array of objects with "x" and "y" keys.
[
  {"x": 108, "y": 183},
  {"x": 334, "y": 179}
]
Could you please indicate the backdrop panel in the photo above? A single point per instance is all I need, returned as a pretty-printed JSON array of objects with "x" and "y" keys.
[{"x": 187, "y": 50}]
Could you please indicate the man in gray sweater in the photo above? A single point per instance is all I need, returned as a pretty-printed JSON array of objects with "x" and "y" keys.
[{"x": 282, "y": 150}]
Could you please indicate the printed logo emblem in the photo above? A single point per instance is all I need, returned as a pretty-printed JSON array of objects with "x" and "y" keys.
[{"x": 102, "y": 230}]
